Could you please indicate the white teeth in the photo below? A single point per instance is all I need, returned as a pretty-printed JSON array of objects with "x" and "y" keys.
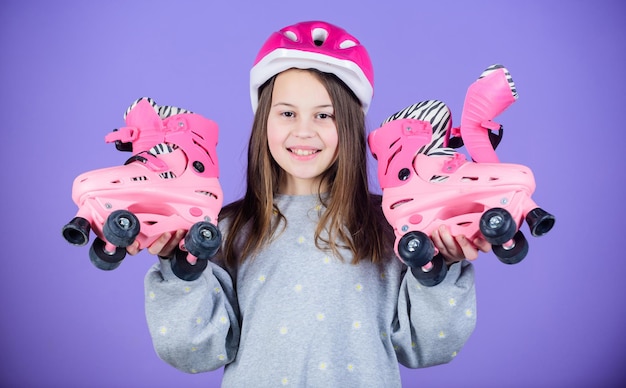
[{"x": 300, "y": 152}]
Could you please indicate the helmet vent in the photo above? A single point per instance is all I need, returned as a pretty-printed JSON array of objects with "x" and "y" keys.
[
  {"x": 291, "y": 35},
  {"x": 347, "y": 44},
  {"x": 319, "y": 36}
]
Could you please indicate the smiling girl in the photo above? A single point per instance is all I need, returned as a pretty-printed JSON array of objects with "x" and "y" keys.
[{"x": 306, "y": 290}]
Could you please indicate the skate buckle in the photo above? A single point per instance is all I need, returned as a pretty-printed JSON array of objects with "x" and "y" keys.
[
  {"x": 490, "y": 125},
  {"x": 124, "y": 134},
  {"x": 453, "y": 164}
]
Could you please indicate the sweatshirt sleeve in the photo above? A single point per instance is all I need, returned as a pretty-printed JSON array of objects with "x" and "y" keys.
[
  {"x": 434, "y": 323},
  {"x": 194, "y": 324}
]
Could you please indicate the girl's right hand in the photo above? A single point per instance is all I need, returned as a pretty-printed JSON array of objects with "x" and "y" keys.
[{"x": 164, "y": 246}]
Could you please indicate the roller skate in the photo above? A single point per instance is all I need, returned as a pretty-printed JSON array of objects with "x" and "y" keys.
[
  {"x": 425, "y": 186},
  {"x": 170, "y": 183}
]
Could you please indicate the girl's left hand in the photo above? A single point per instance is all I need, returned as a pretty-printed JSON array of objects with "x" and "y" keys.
[
  {"x": 457, "y": 248},
  {"x": 164, "y": 246}
]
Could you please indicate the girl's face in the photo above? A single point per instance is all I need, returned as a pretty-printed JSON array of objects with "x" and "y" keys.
[{"x": 301, "y": 131}]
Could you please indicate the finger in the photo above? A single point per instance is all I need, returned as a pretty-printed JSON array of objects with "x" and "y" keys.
[
  {"x": 482, "y": 244},
  {"x": 436, "y": 238},
  {"x": 470, "y": 252},
  {"x": 157, "y": 246},
  {"x": 448, "y": 242},
  {"x": 173, "y": 242},
  {"x": 447, "y": 245},
  {"x": 133, "y": 248}
]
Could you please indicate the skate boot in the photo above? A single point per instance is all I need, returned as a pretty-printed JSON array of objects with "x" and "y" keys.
[
  {"x": 170, "y": 183},
  {"x": 486, "y": 98}
]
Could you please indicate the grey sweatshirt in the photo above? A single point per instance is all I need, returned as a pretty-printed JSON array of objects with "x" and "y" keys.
[{"x": 296, "y": 316}]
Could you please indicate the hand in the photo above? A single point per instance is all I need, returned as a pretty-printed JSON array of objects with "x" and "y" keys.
[
  {"x": 457, "y": 248},
  {"x": 164, "y": 246}
]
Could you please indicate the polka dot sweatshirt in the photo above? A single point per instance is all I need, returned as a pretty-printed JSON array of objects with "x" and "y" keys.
[{"x": 296, "y": 316}]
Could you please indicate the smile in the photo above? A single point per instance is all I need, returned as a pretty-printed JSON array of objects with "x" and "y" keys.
[{"x": 303, "y": 152}]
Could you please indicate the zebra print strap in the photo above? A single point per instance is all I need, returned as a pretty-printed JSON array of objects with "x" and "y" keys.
[
  {"x": 163, "y": 111},
  {"x": 162, "y": 148}
]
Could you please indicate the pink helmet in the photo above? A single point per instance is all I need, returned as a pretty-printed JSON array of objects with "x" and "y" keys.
[{"x": 318, "y": 45}]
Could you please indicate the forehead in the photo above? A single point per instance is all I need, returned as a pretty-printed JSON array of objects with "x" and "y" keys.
[{"x": 296, "y": 85}]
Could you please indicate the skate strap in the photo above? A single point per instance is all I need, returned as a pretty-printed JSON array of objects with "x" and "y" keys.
[
  {"x": 149, "y": 160},
  {"x": 456, "y": 141},
  {"x": 495, "y": 138}
]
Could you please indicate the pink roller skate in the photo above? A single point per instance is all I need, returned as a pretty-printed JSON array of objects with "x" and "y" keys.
[
  {"x": 425, "y": 186},
  {"x": 170, "y": 183}
]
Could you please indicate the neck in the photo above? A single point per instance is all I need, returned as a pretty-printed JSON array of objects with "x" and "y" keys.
[{"x": 302, "y": 187}]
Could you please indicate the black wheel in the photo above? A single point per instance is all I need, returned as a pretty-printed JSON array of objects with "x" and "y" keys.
[
  {"x": 512, "y": 253},
  {"x": 185, "y": 271},
  {"x": 416, "y": 249},
  {"x": 121, "y": 228},
  {"x": 76, "y": 232},
  {"x": 203, "y": 240},
  {"x": 104, "y": 260},
  {"x": 497, "y": 226},
  {"x": 434, "y": 275},
  {"x": 539, "y": 221}
]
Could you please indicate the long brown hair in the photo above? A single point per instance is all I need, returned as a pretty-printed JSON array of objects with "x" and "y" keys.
[{"x": 353, "y": 217}]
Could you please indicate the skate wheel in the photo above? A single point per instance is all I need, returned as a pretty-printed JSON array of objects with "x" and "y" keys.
[
  {"x": 497, "y": 226},
  {"x": 513, "y": 251},
  {"x": 434, "y": 275},
  {"x": 416, "y": 249},
  {"x": 539, "y": 221},
  {"x": 203, "y": 240},
  {"x": 185, "y": 271},
  {"x": 76, "y": 232},
  {"x": 121, "y": 228},
  {"x": 104, "y": 260}
]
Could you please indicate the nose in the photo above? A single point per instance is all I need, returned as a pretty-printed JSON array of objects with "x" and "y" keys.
[{"x": 303, "y": 128}]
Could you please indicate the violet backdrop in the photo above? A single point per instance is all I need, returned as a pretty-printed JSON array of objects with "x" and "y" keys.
[{"x": 69, "y": 69}]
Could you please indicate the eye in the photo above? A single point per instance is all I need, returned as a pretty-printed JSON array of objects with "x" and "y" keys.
[
  {"x": 288, "y": 114},
  {"x": 324, "y": 116}
]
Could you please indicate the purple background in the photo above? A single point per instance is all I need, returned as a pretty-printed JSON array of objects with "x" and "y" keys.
[{"x": 68, "y": 70}]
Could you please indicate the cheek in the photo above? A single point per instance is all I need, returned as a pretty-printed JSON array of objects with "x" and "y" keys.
[
  {"x": 331, "y": 140},
  {"x": 274, "y": 140}
]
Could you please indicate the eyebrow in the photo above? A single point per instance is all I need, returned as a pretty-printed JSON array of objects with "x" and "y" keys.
[{"x": 293, "y": 106}]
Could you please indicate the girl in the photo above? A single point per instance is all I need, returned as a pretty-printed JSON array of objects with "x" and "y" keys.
[{"x": 306, "y": 290}]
